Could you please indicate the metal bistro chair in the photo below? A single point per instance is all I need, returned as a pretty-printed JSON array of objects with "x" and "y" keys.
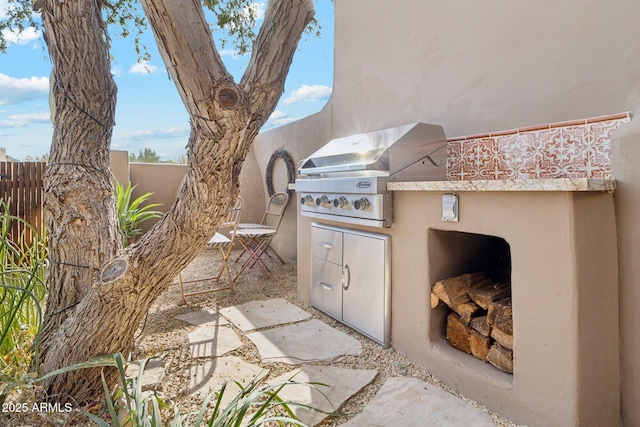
[
  {"x": 256, "y": 238},
  {"x": 225, "y": 245}
]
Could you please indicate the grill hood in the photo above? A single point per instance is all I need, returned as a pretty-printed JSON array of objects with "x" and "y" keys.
[{"x": 416, "y": 151}]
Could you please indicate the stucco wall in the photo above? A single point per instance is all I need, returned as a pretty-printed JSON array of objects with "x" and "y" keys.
[
  {"x": 161, "y": 179},
  {"x": 626, "y": 170},
  {"x": 119, "y": 163},
  {"x": 476, "y": 67},
  {"x": 299, "y": 141}
]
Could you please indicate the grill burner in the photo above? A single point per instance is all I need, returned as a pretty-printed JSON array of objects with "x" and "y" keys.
[{"x": 346, "y": 179}]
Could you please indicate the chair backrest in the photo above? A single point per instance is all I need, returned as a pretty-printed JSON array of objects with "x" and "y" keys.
[
  {"x": 233, "y": 215},
  {"x": 275, "y": 210}
]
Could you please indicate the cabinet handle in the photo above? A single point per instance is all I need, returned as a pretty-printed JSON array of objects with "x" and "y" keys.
[
  {"x": 325, "y": 286},
  {"x": 325, "y": 245},
  {"x": 345, "y": 286}
]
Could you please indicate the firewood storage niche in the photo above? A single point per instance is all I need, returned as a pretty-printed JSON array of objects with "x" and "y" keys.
[{"x": 471, "y": 308}]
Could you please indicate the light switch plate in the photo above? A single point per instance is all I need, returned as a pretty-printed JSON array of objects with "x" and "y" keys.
[{"x": 450, "y": 206}]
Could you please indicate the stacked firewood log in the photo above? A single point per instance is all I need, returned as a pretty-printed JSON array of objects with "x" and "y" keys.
[{"x": 481, "y": 321}]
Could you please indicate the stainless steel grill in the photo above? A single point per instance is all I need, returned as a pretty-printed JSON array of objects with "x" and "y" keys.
[{"x": 346, "y": 179}]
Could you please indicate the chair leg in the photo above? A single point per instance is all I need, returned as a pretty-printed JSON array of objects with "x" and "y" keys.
[
  {"x": 245, "y": 245},
  {"x": 184, "y": 301},
  {"x": 259, "y": 250},
  {"x": 225, "y": 256},
  {"x": 251, "y": 261},
  {"x": 224, "y": 267},
  {"x": 270, "y": 249}
]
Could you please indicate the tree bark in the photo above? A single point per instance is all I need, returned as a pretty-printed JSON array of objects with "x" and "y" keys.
[
  {"x": 225, "y": 118},
  {"x": 79, "y": 203}
]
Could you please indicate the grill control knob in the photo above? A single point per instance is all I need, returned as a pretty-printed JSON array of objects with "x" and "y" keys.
[
  {"x": 341, "y": 202},
  {"x": 306, "y": 200},
  {"x": 361, "y": 204},
  {"x": 323, "y": 202}
]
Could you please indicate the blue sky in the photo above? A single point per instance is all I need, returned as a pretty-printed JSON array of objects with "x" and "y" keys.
[{"x": 149, "y": 112}]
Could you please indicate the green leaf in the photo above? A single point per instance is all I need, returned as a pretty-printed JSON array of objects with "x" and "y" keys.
[{"x": 100, "y": 361}]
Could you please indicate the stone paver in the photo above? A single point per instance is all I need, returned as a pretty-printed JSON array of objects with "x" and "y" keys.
[
  {"x": 400, "y": 402},
  {"x": 203, "y": 317},
  {"x": 152, "y": 374},
  {"x": 408, "y": 402},
  {"x": 211, "y": 341},
  {"x": 304, "y": 342},
  {"x": 208, "y": 377},
  {"x": 262, "y": 314},
  {"x": 339, "y": 384}
]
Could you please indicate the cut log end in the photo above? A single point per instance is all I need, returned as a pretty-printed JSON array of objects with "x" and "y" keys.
[
  {"x": 458, "y": 333},
  {"x": 501, "y": 358},
  {"x": 435, "y": 301},
  {"x": 481, "y": 319},
  {"x": 113, "y": 270}
]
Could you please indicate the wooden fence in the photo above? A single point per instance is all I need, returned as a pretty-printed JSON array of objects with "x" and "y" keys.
[{"x": 21, "y": 185}]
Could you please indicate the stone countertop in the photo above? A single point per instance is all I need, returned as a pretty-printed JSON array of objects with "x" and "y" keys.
[{"x": 557, "y": 184}]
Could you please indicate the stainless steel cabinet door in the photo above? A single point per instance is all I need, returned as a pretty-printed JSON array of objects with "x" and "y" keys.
[{"x": 366, "y": 278}]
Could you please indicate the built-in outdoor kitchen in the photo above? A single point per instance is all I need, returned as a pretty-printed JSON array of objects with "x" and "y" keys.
[
  {"x": 504, "y": 288},
  {"x": 537, "y": 190}
]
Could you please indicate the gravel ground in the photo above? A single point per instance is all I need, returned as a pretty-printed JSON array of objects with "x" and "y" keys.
[
  {"x": 161, "y": 335},
  {"x": 164, "y": 335}
]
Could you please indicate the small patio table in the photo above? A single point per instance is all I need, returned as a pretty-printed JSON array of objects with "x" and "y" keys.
[{"x": 255, "y": 241}]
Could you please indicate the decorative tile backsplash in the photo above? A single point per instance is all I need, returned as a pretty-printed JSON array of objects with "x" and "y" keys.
[{"x": 578, "y": 149}]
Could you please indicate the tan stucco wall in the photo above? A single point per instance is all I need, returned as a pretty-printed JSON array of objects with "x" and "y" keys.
[
  {"x": 299, "y": 141},
  {"x": 161, "y": 179},
  {"x": 119, "y": 163},
  {"x": 252, "y": 190},
  {"x": 564, "y": 285},
  {"x": 557, "y": 286},
  {"x": 626, "y": 170},
  {"x": 165, "y": 180},
  {"x": 476, "y": 67}
]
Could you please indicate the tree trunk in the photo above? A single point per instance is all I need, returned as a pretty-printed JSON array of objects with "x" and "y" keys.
[
  {"x": 225, "y": 118},
  {"x": 79, "y": 203}
]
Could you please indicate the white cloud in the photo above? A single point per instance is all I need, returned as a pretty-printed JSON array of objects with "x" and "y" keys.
[
  {"x": 232, "y": 53},
  {"x": 168, "y": 144},
  {"x": 116, "y": 70},
  {"x": 143, "y": 67},
  {"x": 278, "y": 114},
  {"x": 22, "y": 120},
  {"x": 25, "y": 37},
  {"x": 307, "y": 93},
  {"x": 279, "y": 118},
  {"x": 15, "y": 91},
  {"x": 146, "y": 135}
]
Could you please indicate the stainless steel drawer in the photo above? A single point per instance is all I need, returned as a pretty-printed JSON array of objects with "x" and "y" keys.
[
  {"x": 326, "y": 245},
  {"x": 326, "y": 287}
]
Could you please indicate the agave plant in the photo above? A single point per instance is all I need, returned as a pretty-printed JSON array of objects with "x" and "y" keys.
[
  {"x": 132, "y": 213},
  {"x": 256, "y": 404}
]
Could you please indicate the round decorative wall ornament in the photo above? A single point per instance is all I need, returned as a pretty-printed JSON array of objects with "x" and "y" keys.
[{"x": 280, "y": 153}]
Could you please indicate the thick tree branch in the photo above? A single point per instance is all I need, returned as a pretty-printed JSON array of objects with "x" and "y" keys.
[
  {"x": 190, "y": 56},
  {"x": 277, "y": 41}
]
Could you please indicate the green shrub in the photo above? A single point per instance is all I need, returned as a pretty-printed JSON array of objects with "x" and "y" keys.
[{"x": 22, "y": 290}]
